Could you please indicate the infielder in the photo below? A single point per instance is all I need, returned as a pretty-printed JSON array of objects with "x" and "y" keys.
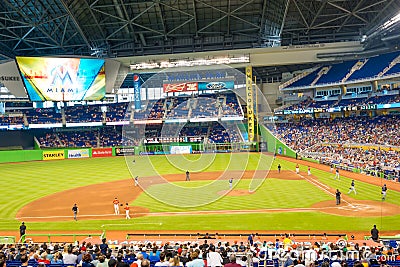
[
  {"x": 116, "y": 206},
  {"x": 352, "y": 188},
  {"x": 337, "y": 176},
  {"x": 384, "y": 191}
]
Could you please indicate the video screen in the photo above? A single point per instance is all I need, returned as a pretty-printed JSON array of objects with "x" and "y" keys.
[{"x": 63, "y": 79}]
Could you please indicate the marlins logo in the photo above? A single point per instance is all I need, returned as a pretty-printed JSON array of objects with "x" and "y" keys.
[{"x": 61, "y": 75}]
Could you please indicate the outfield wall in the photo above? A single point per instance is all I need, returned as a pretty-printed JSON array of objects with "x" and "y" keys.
[
  {"x": 58, "y": 154},
  {"x": 274, "y": 145}
]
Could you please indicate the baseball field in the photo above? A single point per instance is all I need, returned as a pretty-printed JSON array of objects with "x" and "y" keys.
[{"x": 261, "y": 199}]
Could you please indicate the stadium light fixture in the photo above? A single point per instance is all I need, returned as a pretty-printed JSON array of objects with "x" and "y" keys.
[
  {"x": 190, "y": 62},
  {"x": 391, "y": 21}
]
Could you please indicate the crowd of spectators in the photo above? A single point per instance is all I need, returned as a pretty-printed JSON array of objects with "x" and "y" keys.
[
  {"x": 226, "y": 133},
  {"x": 231, "y": 108},
  {"x": 87, "y": 113},
  {"x": 43, "y": 116},
  {"x": 360, "y": 142},
  {"x": 178, "y": 108},
  {"x": 110, "y": 136},
  {"x": 303, "y": 134},
  {"x": 78, "y": 138},
  {"x": 320, "y": 102},
  {"x": 47, "y": 140},
  {"x": 206, "y": 106},
  {"x": 118, "y": 112},
  {"x": 284, "y": 252},
  {"x": 11, "y": 120}
]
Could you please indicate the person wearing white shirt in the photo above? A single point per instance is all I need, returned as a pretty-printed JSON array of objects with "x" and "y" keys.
[
  {"x": 162, "y": 262},
  {"x": 214, "y": 259},
  {"x": 310, "y": 256}
]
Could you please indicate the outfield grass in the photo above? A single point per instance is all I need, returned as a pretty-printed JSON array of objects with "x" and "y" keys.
[
  {"x": 273, "y": 193},
  {"x": 25, "y": 182}
]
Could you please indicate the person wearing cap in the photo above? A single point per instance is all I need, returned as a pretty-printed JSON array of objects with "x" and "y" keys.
[
  {"x": 75, "y": 212},
  {"x": 116, "y": 206},
  {"x": 127, "y": 216},
  {"x": 352, "y": 188},
  {"x": 384, "y": 191},
  {"x": 337, "y": 195}
]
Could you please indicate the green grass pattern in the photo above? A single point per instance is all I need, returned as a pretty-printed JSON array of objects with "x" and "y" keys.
[{"x": 25, "y": 182}]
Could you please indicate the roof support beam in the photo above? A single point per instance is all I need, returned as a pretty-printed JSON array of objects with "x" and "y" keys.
[
  {"x": 23, "y": 37},
  {"x": 195, "y": 18},
  {"x": 85, "y": 39}
]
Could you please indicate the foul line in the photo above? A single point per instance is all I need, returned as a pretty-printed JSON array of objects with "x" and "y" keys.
[
  {"x": 323, "y": 187},
  {"x": 134, "y": 223}
]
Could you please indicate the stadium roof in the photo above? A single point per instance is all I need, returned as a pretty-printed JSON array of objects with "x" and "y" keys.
[{"x": 117, "y": 28}]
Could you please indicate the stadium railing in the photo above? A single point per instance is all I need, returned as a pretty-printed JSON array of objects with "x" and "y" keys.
[
  {"x": 7, "y": 239},
  {"x": 50, "y": 236},
  {"x": 225, "y": 235}
]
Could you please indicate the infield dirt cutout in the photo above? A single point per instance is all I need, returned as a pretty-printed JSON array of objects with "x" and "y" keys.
[{"x": 95, "y": 201}]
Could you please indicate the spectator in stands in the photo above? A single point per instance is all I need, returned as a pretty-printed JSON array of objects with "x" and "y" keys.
[
  {"x": 87, "y": 260},
  {"x": 57, "y": 259},
  {"x": 43, "y": 258},
  {"x": 145, "y": 263},
  {"x": 232, "y": 261},
  {"x": 195, "y": 260},
  {"x": 112, "y": 263},
  {"x": 214, "y": 259},
  {"x": 175, "y": 261},
  {"x": 163, "y": 262},
  {"x": 102, "y": 261},
  {"x": 154, "y": 255},
  {"x": 139, "y": 259},
  {"x": 120, "y": 261},
  {"x": 70, "y": 259},
  {"x": 104, "y": 246},
  {"x": 24, "y": 260}
]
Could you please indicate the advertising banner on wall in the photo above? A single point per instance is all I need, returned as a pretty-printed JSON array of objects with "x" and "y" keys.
[
  {"x": 216, "y": 85},
  {"x": 136, "y": 91},
  {"x": 78, "y": 153},
  {"x": 101, "y": 152},
  {"x": 250, "y": 102},
  {"x": 181, "y": 149},
  {"x": 54, "y": 154},
  {"x": 124, "y": 151},
  {"x": 180, "y": 87}
]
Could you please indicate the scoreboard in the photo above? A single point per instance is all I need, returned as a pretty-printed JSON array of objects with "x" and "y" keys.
[{"x": 183, "y": 139}]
